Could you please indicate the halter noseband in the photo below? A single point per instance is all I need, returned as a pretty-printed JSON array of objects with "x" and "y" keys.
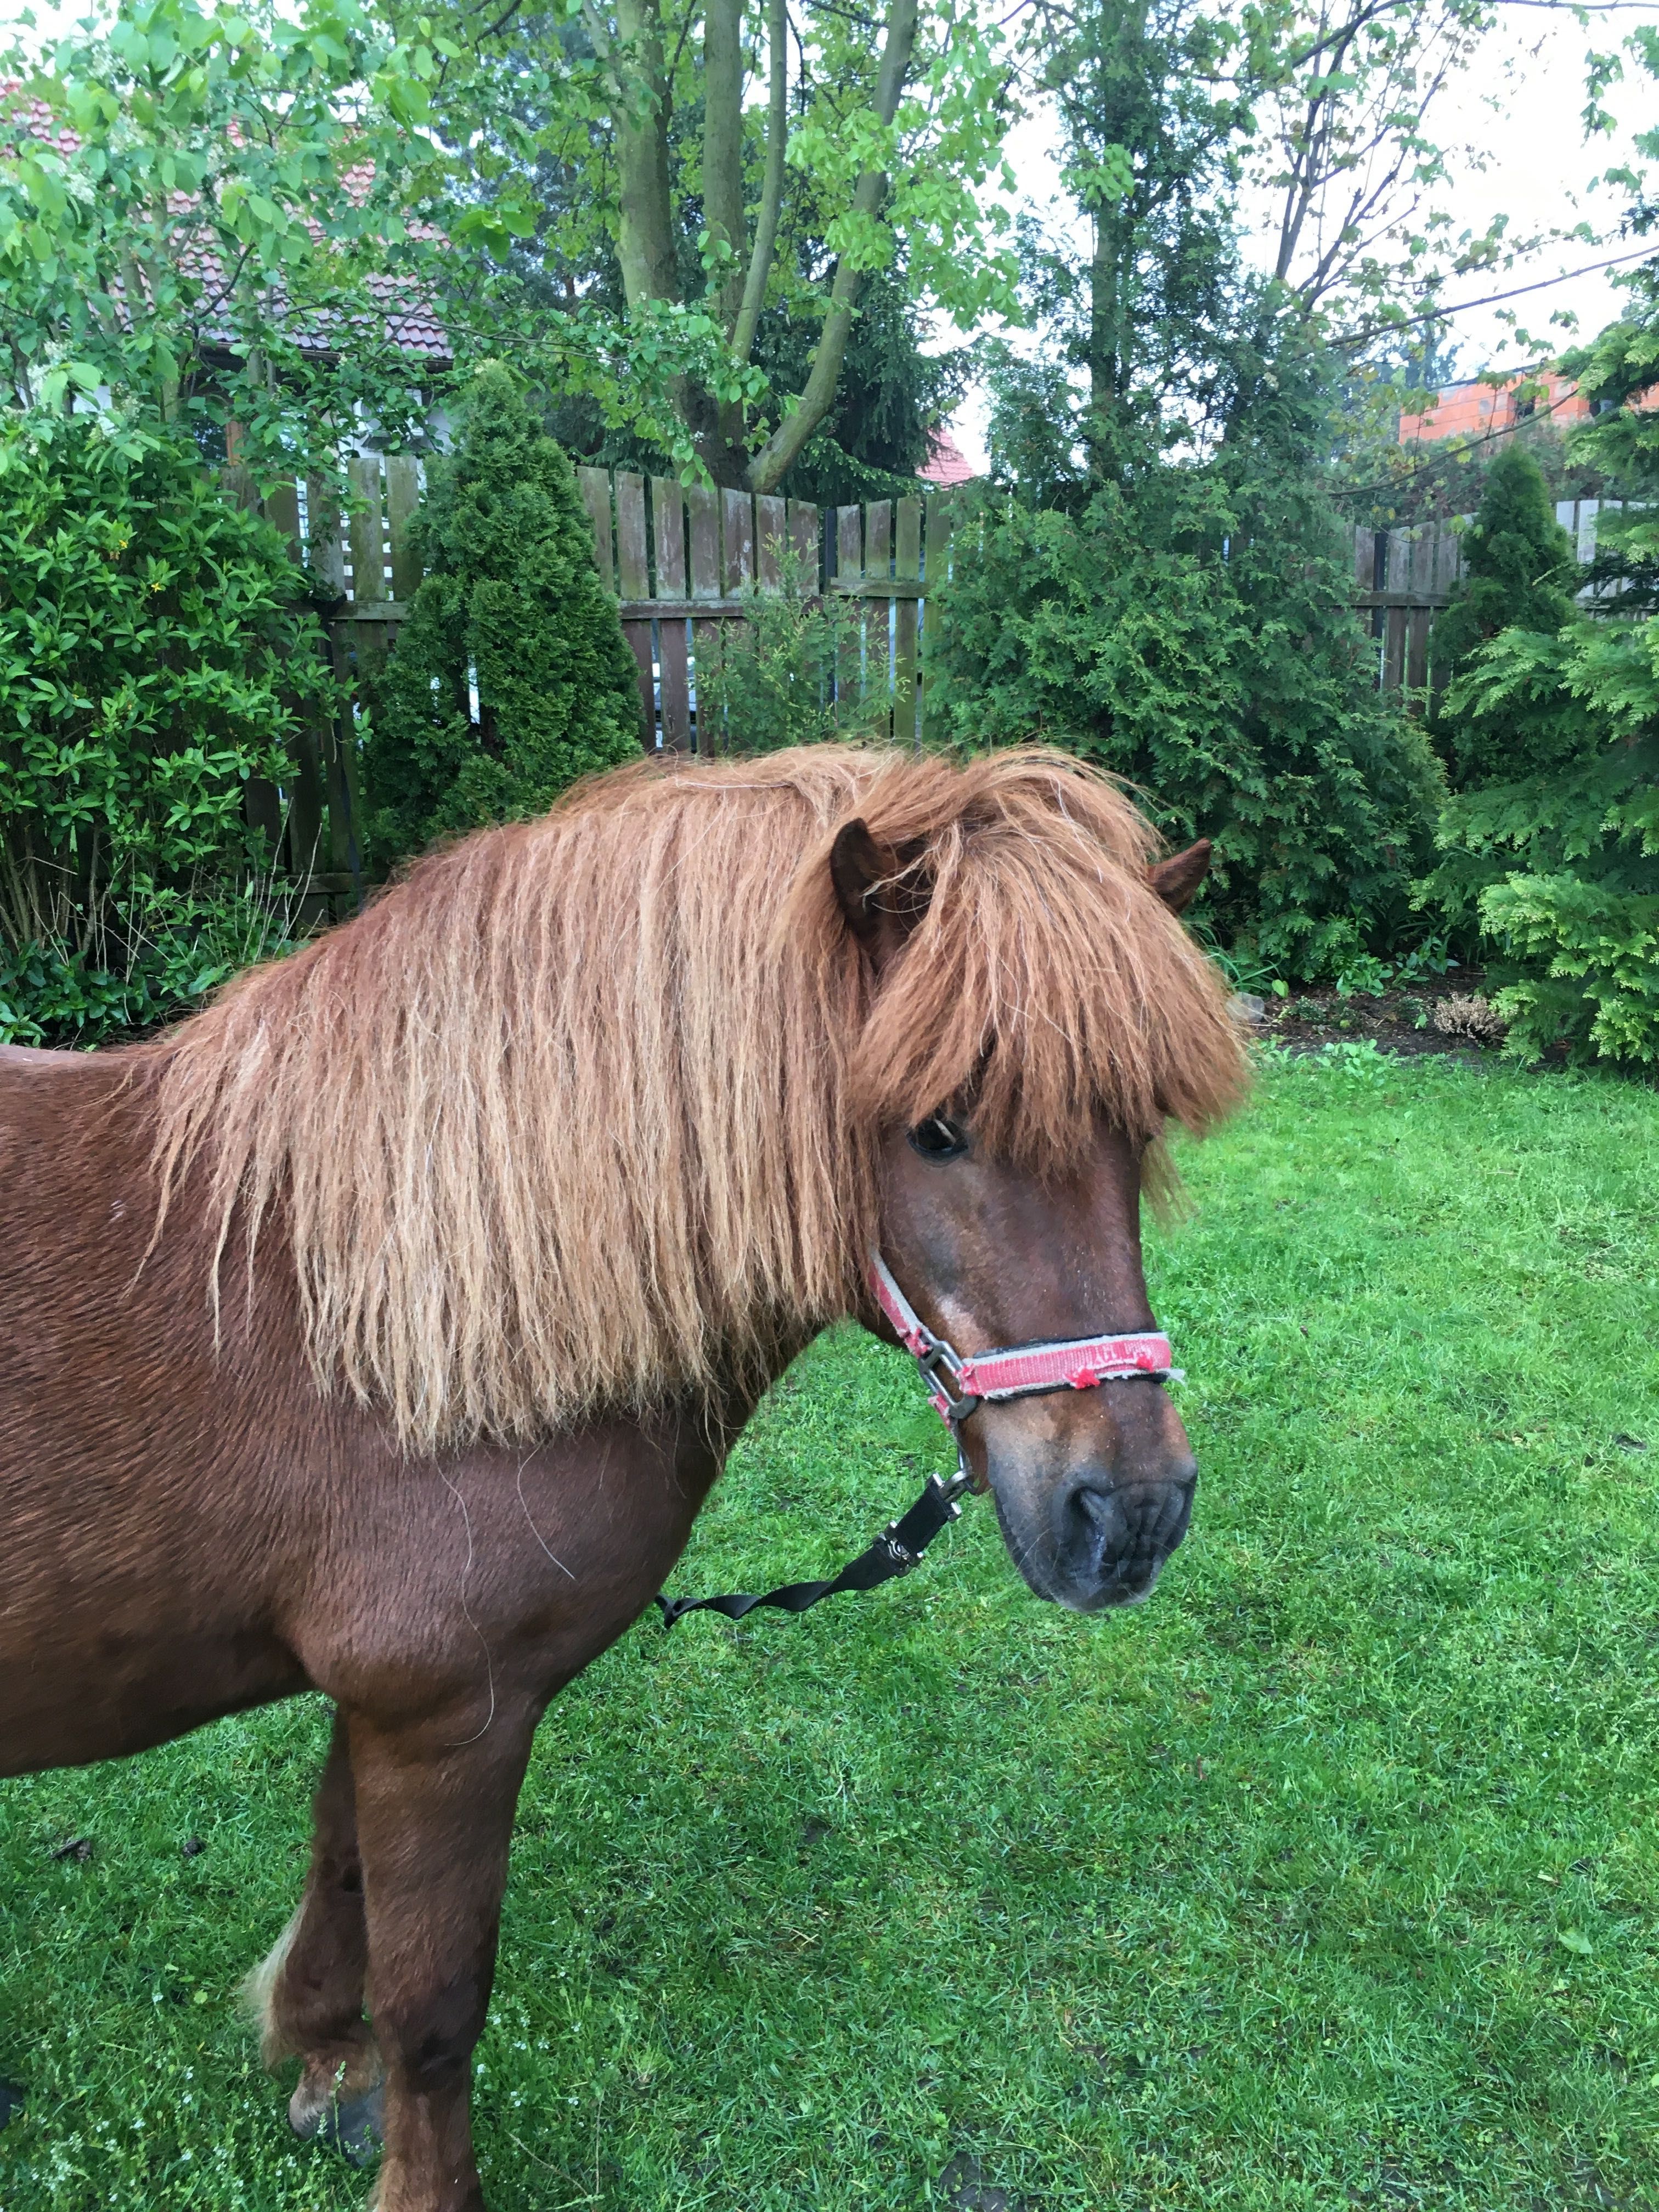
[{"x": 959, "y": 1385}]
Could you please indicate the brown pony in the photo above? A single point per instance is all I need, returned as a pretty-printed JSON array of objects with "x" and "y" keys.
[{"x": 382, "y": 1329}]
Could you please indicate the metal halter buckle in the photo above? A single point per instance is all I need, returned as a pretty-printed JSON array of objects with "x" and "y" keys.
[{"x": 941, "y": 1366}]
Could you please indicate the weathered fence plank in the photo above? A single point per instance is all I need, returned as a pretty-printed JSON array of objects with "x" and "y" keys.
[
  {"x": 907, "y": 568},
  {"x": 807, "y": 543},
  {"x": 936, "y": 569},
  {"x": 737, "y": 543},
  {"x": 848, "y": 569},
  {"x": 702, "y": 505},
  {"x": 878, "y": 614},
  {"x": 634, "y": 584},
  {"x": 403, "y": 500},
  {"x": 769, "y": 543},
  {"x": 366, "y": 533},
  {"x": 594, "y": 488},
  {"x": 673, "y": 657}
]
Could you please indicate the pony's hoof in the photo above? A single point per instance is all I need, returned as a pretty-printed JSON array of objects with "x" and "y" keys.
[
  {"x": 353, "y": 2124},
  {"x": 11, "y": 2101},
  {"x": 356, "y": 2127}
]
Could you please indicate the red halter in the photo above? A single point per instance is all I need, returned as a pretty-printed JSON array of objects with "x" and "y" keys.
[{"x": 957, "y": 1385}]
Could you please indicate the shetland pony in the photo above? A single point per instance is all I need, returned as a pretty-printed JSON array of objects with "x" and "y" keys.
[{"x": 382, "y": 1329}]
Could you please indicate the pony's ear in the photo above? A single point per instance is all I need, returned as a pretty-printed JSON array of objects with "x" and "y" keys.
[
  {"x": 876, "y": 908},
  {"x": 1176, "y": 879}
]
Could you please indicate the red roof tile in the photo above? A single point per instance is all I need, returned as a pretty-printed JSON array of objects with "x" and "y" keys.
[
  {"x": 947, "y": 464},
  {"x": 411, "y": 322}
]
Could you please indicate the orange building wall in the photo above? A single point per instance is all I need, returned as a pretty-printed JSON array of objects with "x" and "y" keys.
[{"x": 1475, "y": 409}]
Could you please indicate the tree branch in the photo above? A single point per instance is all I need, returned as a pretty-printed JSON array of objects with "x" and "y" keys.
[
  {"x": 773, "y": 460},
  {"x": 771, "y": 205}
]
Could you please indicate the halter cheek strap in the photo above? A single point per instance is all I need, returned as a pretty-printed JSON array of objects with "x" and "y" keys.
[{"x": 958, "y": 1385}]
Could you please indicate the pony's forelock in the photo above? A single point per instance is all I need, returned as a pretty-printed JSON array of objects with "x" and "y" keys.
[{"x": 585, "y": 1111}]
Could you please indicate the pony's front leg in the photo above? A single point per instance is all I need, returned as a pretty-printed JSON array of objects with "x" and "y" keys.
[
  {"x": 308, "y": 1997},
  {"x": 435, "y": 1817}
]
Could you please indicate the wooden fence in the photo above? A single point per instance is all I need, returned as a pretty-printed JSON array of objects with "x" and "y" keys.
[
  {"x": 685, "y": 566},
  {"x": 1402, "y": 578}
]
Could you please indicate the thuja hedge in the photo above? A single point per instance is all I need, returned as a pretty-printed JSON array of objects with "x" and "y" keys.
[{"x": 1199, "y": 642}]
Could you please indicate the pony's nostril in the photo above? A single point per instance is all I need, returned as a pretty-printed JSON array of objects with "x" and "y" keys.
[
  {"x": 1138, "y": 1520},
  {"x": 1103, "y": 1516}
]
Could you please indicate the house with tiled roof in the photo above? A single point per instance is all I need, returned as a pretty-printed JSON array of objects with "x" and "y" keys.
[
  {"x": 410, "y": 322},
  {"x": 946, "y": 465}
]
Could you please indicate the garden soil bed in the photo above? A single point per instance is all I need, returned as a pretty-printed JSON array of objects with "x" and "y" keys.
[{"x": 1398, "y": 1020}]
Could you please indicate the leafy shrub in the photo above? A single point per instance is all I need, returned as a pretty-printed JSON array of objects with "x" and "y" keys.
[
  {"x": 511, "y": 605},
  {"x": 154, "y": 654},
  {"x": 1561, "y": 866},
  {"x": 796, "y": 670},
  {"x": 1197, "y": 639},
  {"x": 1555, "y": 848}
]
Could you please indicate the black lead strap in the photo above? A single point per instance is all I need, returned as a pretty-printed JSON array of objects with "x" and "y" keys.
[{"x": 895, "y": 1552}]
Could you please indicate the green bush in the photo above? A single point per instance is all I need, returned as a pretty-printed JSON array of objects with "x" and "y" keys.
[
  {"x": 1197, "y": 639},
  {"x": 1552, "y": 846},
  {"x": 795, "y": 672},
  {"x": 512, "y": 606},
  {"x": 1520, "y": 572},
  {"x": 1561, "y": 866},
  {"x": 154, "y": 654}
]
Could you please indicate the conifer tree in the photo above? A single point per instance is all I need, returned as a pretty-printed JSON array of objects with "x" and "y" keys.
[
  {"x": 1555, "y": 851},
  {"x": 513, "y": 604},
  {"x": 1520, "y": 573}
]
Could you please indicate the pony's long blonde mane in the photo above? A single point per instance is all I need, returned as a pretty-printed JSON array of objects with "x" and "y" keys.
[{"x": 584, "y": 1112}]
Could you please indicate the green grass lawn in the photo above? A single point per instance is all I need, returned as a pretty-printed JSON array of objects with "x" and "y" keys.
[{"x": 1327, "y": 1877}]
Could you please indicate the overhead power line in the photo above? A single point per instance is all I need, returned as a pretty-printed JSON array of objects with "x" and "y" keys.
[{"x": 1491, "y": 299}]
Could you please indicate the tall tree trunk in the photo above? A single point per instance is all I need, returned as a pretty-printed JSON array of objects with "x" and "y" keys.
[
  {"x": 1106, "y": 292},
  {"x": 637, "y": 87},
  {"x": 722, "y": 147},
  {"x": 769, "y": 465}
]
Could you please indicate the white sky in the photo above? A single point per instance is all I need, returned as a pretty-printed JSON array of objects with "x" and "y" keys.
[{"x": 1518, "y": 112}]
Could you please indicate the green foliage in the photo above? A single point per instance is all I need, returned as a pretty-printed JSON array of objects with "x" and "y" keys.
[
  {"x": 1196, "y": 639},
  {"x": 187, "y": 235},
  {"x": 1561, "y": 866},
  {"x": 155, "y": 654},
  {"x": 795, "y": 672},
  {"x": 1324, "y": 1879},
  {"x": 1152, "y": 118},
  {"x": 1556, "y": 846},
  {"x": 511, "y": 604},
  {"x": 1521, "y": 574},
  {"x": 1621, "y": 439},
  {"x": 649, "y": 172},
  {"x": 221, "y": 191},
  {"x": 879, "y": 432}
]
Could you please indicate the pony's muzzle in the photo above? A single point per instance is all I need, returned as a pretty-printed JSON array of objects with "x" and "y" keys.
[
  {"x": 1093, "y": 1490},
  {"x": 1114, "y": 1538}
]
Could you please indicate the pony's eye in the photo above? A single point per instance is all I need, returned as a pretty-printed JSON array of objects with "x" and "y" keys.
[{"x": 939, "y": 1138}]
